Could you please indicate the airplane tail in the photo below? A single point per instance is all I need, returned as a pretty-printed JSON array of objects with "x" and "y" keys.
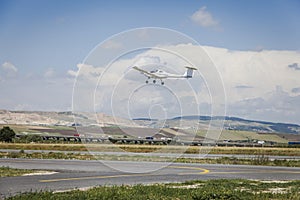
[{"x": 189, "y": 72}]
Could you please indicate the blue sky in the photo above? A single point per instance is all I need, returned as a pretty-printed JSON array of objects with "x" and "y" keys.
[
  {"x": 41, "y": 34},
  {"x": 41, "y": 38}
]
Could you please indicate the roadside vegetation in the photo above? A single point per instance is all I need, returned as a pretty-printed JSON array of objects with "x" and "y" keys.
[
  {"x": 276, "y": 151},
  {"x": 7, "y": 171},
  {"x": 34, "y": 142},
  {"x": 192, "y": 190},
  {"x": 257, "y": 160}
]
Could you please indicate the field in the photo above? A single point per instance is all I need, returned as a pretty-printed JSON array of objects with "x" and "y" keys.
[
  {"x": 257, "y": 160},
  {"x": 6, "y": 171},
  {"x": 277, "y": 151},
  {"x": 232, "y": 135},
  {"x": 201, "y": 190},
  {"x": 41, "y": 130},
  {"x": 245, "y": 136}
]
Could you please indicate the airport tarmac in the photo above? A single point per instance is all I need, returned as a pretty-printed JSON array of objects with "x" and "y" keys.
[{"x": 82, "y": 173}]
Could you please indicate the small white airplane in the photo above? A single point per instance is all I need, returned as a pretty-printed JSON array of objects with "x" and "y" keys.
[{"x": 159, "y": 74}]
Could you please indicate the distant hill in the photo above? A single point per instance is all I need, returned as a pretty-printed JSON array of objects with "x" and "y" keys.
[
  {"x": 183, "y": 122},
  {"x": 42, "y": 118},
  {"x": 194, "y": 117},
  {"x": 234, "y": 128},
  {"x": 230, "y": 123}
]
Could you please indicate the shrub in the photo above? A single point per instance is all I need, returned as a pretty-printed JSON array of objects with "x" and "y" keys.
[{"x": 7, "y": 134}]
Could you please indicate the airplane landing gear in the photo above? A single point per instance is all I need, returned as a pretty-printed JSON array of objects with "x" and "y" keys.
[
  {"x": 154, "y": 81},
  {"x": 147, "y": 81}
]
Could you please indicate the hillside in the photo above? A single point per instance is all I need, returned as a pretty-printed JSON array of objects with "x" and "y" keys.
[
  {"x": 61, "y": 119},
  {"x": 181, "y": 127},
  {"x": 230, "y": 123}
]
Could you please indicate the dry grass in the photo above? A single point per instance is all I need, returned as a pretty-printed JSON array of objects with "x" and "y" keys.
[
  {"x": 7, "y": 171},
  {"x": 259, "y": 160},
  {"x": 156, "y": 149},
  {"x": 245, "y": 135}
]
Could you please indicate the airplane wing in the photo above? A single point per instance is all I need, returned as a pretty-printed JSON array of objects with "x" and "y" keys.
[
  {"x": 189, "y": 67},
  {"x": 146, "y": 73},
  {"x": 141, "y": 70}
]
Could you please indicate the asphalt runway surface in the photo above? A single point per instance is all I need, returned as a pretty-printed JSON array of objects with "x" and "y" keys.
[{"x": 81, "y": 173}]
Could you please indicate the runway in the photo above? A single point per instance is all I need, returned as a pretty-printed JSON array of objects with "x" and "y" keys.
[{"x": 81, "y": 173}]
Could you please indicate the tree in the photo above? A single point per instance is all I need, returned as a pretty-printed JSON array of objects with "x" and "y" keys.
[{"x": 7, "y": 134}]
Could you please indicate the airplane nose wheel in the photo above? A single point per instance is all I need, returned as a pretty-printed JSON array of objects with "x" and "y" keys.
[
  {"x": 147, "y": 81},
  {"x": 154, "y": 81},
  {"x": 162, "y": 83}
]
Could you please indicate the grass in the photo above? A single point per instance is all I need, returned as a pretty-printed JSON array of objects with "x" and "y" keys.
[
  {"x": 258, "y": 160},
  {"x": 7, "y": 171},
  {"x": 235, "y": 189},
  {"x": 39, "y": 146},
  {"x": 18, "y": 128},
  {"x": 37, "y": 129},
  {"x": 278, "y": 151},
  {"x": 275, "y": 151},
  {"x": 60, "y": 127},
  {"x": 245, "y": 135}
]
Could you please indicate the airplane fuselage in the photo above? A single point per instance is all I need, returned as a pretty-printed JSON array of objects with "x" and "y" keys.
[{"x": 159, "y": 74}]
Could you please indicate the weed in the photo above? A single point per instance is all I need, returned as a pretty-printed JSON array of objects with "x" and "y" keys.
[
  {"x": 7, "y": 171},
  {"x": 204, "y": 190}
]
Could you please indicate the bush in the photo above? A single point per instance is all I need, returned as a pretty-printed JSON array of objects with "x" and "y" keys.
[
  {"x": 261, "y": 160},
  {"x": 7, "y": 134},
  {"x": 30, "y": 138},
  {"x": 225, "y": 194}
]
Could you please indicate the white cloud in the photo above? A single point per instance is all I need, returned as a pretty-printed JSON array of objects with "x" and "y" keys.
[
  {"x": 259, "y": 85},
  {"x": 9, "y": 69},
  {"x": 123, "y": 90},
  {"x": 36, "y": 93},
  {"x": 89, "y": 72},
  {"x": 278, "y": 105},
  {"x": 204, "y": 18},
  {"x": 147, "y": 59},
  {"x": 72, "y": 73},
  {"x": 249, "y": 80},
  {"x": 49, "y": 73},
  {"x": 261, "y": 71},
  {"x": 110, "y": 44}
]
